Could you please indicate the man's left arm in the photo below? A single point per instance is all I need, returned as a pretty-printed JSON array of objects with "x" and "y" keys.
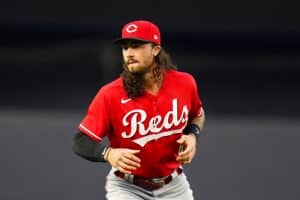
[{"x": 188, "y": 141}]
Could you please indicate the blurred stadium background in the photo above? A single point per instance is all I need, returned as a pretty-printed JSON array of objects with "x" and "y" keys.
[{"x": 245, "y": 55}]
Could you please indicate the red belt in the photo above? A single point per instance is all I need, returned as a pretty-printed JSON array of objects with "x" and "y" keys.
[{"x": 148, "y": 184}]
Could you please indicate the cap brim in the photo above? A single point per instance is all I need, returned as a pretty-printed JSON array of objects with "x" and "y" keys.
[{"x": 122, "y": 40}]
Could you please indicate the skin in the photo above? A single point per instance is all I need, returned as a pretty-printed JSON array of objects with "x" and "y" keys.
[
  {"x": 189, "y": 142},
  {"x": 139, "y": 58}
]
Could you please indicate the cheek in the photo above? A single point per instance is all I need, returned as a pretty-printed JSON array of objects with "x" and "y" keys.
[
  {"x": 123, "y": 55},
  {"x": 148, "y": 58}
]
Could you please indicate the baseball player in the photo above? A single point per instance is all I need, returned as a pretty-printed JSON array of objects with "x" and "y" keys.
[{"x": 152, "y": 116}]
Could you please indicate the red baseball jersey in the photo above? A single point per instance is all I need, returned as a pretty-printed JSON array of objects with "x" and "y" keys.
[{"x": 150, "y": 123}]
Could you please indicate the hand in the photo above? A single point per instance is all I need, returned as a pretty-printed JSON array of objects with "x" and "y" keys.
[
  {"x": 189, "y": 148},
  {"x": 123, "y": 159}
]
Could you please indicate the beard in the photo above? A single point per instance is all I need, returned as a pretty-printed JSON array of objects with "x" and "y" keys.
[{"x": 133, "y": 80}]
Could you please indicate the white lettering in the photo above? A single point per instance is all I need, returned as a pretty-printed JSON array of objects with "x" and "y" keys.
[
  {"x": 142, "y": 141},
  {"x": 153, "y": 124},
  {"x": 135, "y": 114},
  {"x": 136, "y": 120}
]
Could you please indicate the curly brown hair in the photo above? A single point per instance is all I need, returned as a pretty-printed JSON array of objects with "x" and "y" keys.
[{"x": 134, "y": 83}]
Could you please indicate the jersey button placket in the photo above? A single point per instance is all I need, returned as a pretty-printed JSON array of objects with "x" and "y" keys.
[{"x": 154, "y": 111}]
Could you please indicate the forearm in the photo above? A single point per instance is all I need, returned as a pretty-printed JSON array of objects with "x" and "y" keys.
[
  {"x": 196, "y": 125},
  {"x": 200, "y": 121},
  {"x": 87, "y": 148}
]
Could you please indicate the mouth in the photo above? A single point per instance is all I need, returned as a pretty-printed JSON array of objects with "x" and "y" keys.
[{"x": 129, "y": 62}]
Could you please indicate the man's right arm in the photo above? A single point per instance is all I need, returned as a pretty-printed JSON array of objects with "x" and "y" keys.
[
  {"x": 122, "y": 159},
  {"x": 88, "y": 149}
]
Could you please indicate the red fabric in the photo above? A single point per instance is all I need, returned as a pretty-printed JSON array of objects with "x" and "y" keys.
[
  {"x": 127, "y": 122},
  {"x": 143, "y": 30}
]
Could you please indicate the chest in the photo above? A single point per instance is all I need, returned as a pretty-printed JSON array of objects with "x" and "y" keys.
[{"x": 149, "y": 114}]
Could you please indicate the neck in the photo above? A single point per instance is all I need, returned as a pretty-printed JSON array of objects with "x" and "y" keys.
[{"x": 153, "y": 80}]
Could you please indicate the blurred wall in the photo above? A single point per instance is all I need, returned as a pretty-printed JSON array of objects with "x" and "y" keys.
[{"x": 241, "y": 52}]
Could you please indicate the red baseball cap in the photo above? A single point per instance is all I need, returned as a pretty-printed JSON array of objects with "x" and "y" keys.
[{"x": 140, "y": 30}]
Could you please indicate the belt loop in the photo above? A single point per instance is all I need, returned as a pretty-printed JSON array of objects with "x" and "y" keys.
[{"x": 129, "y": 177}]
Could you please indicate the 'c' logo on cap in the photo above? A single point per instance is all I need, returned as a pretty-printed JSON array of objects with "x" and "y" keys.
[{"x": 131, "y": 28}]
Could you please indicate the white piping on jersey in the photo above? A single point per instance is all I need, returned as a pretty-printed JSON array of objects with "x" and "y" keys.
[
  {"x": 90, "y": 132},
  {"x": 142, "y": 141}
]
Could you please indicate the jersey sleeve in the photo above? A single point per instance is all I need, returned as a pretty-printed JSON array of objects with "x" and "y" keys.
[
  {"x": 96, "y": 123},
  {"x": 195, "y": 101}
]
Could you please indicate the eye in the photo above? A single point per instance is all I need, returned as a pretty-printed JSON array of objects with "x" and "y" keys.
[
  {"x": 135, "y": 45},
  {"x": 125, "y": 46},
  {"x": 132, "y": 44}
]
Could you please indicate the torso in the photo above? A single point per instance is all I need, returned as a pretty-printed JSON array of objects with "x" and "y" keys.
[{"x": 150, "y": 123}]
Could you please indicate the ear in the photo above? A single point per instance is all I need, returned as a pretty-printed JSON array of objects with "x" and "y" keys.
[{"x": 156, "y": 49}]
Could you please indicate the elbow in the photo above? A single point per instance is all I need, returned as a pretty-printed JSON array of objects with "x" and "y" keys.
[{"x": 85, "y": 147}]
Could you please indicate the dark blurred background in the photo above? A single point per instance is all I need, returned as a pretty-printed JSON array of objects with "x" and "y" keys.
[{"x": 245, "y": 55}]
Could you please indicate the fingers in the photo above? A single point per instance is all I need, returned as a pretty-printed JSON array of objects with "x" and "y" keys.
[
  {"x": 181, "y": 139},
  {"x": 132, "y": 151},
  {"x": 187, "y": 149},
  {"x": 134, "y": 163},
  {"x": 124, "y": 160},
  {"x": 125, "y": 168},
  {"x": 131, "y": 159},
  {"x": 186, "y": 156},
  {"x": 185, "y": 160}
]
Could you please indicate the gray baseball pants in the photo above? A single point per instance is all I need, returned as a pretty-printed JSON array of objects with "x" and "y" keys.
[{"x": 119, "y": 189}]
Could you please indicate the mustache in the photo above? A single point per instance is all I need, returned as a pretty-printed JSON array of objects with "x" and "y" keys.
[{"x": 130, "y": 61}]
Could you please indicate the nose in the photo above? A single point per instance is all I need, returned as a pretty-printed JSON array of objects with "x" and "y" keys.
[{"x": 128, "y": 52}]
